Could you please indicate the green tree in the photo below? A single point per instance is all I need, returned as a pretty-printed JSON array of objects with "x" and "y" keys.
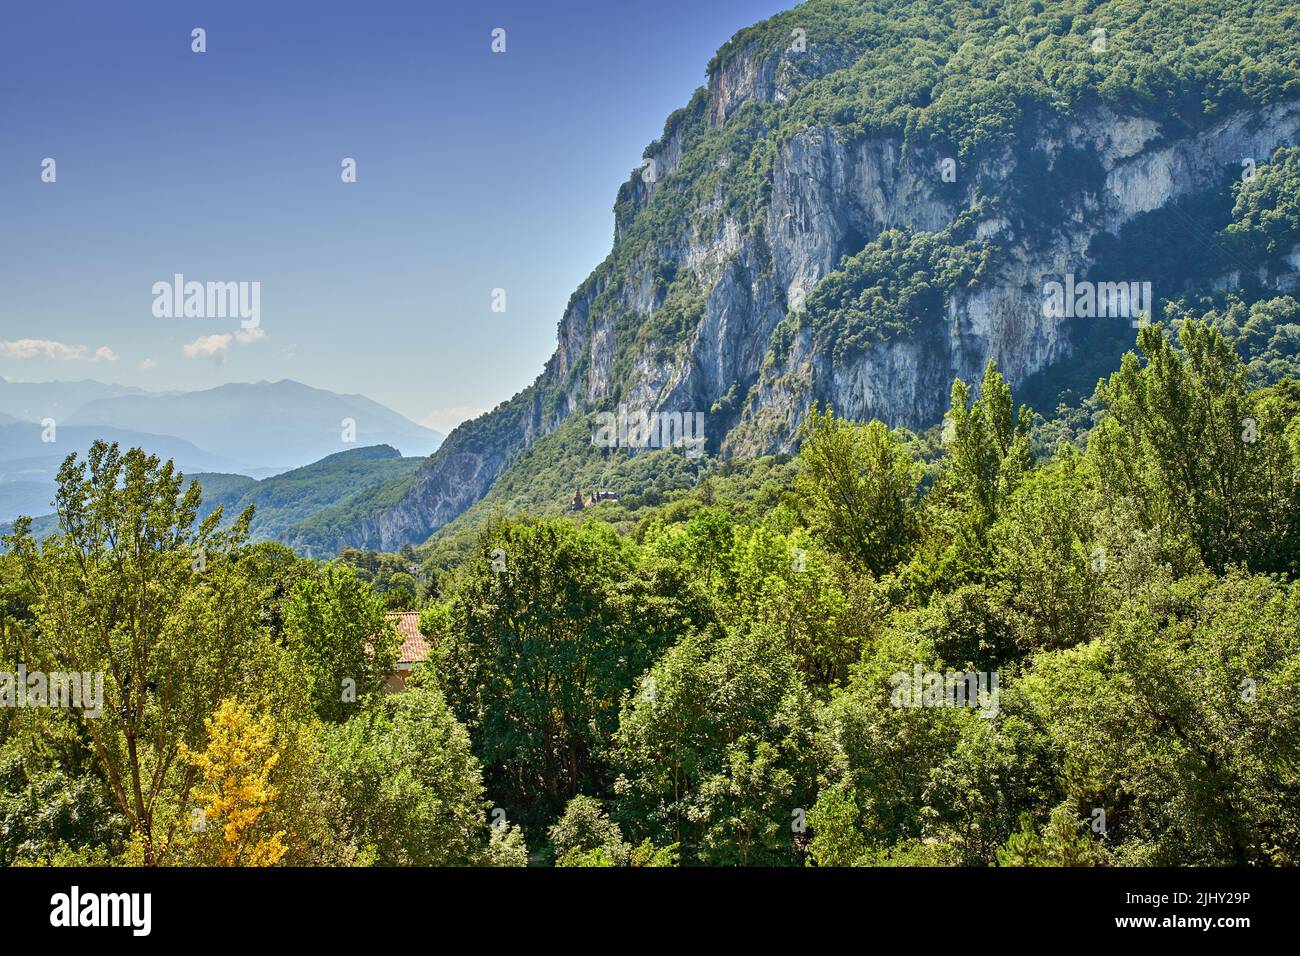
[
  {"x": 1266, "y": 214},
  {"x": 1051, "y": 567},
  {"x": 1181, "y": 448},
  {"x": 336, "y": 623},
  {"x": 814, "y": 602},
  {"x": 986, "y": 452},
  {"x": 719, "y": 751},
  {"x": 273, "y": 569},
  {"x": 1181, "y": 724},
  {"x": 548, "y": 626},
  {"x": 585, "y": 828},
  {"x": 134, "y": 589},
  {"x": 859, "y": 486},
  {"x": 885, "y": 755},
  {"x": 987, "y": 447},
  {"x": 411, "y": 789},
  {"x": 47, "y": 813},
  {"x": 1063, "y": 841}
]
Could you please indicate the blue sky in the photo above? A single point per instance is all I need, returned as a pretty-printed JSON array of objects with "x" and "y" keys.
[{"x": 476, "y": 171}]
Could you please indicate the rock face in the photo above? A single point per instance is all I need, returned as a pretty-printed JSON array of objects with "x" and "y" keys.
[
  {"x": 826, "y": 190},
  {"x": 830, "y": 192}
]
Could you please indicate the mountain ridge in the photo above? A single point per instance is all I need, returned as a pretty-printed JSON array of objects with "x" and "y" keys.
[
  {"x": 864, "y": 215},
  {"x": 280, "y": 501},
  {"x": 297, "y": 424},
  {"x": 255, "y": 429}
]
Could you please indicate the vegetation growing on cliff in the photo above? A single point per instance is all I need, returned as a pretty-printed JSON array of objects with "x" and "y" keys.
[{"x": 900, "y": 283}]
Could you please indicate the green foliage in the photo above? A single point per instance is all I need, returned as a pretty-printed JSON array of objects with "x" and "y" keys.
[
  {"x": 285, "y": 500},
  {"x": 1050, "y": 563},
  {"x": 989, "y": 449},
  {"x": 958, "y": 72},
  {"x": 397, "y": 578},
  {"x": 886, "y": 754},
  {"x": 584, "y": 827},
  {"x": 46, "y": 813},
  {"x": 1181, "y": 725},
  {"x": 716, "y": 678},
  {"x": 861, "y": 489},
  {"x": 986, "y": 453},
  {"x": 134, "y": 589},
  {"x": 319, "y": 532},
  {"x": 717, "y": 751},
  {"x": 585, "y": 836},
  {"x": 1180, "y": 445},
  {"x": 412, "y": 792},
  {"x": 544, "y": 630},
  {"x": 1265, "y": 333},
  {"x": 336, "y": 624},
  {"x": 1060, "y": 842},
  {"x": 768, "y": 693},
  {"x": 898, "y": 284},
  {"x": 273, "y": 570},
  {"x": 1266, "y": 216},
  {"x": 506, "y": 847}
]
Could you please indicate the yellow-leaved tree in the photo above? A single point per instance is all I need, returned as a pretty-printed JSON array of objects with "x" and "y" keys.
[{"x": 233, "y": 825}]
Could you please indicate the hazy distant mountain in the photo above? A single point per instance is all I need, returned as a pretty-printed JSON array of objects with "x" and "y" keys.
[
  {"x": 34, "y": 401},
  {"x": 265, "y": 425},
  {"x": 258, "y": 430},
  {"x": 22, "y": 447},
  {"x": 280, "y": 503},
  {"x": 25, "y": 498},
  {"x": 28, "y": 465}
]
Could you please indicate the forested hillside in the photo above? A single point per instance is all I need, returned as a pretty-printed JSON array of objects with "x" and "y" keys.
[{"x": 285, "y": 500}]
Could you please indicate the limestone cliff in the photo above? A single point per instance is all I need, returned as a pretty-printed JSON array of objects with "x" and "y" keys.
[{"x": 771, "y": 180}]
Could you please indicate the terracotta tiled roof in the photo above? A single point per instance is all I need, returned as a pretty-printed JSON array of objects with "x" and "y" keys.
[{"x": 415, "y": 647}]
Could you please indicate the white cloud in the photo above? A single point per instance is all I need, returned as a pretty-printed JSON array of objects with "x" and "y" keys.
[
  {"x": 148, "y": 364},
  {"x": 52, "y": 351},
  {"x": 216, "y": 346},
  {"x": 208, "y": 346}
]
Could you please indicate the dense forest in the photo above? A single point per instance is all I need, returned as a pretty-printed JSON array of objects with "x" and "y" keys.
[{"x": 1017, "y": 643}]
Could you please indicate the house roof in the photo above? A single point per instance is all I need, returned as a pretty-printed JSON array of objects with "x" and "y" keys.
[{"x": 415, "y": 646}]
